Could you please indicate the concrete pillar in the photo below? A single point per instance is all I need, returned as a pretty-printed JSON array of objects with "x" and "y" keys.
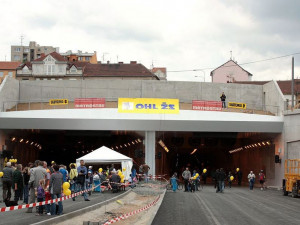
[{"x": 150, "y": 150}]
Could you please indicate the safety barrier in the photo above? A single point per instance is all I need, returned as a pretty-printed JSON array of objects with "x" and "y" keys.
[
  {"x": 125, "y": 216},
  {"x": 31, "y": 205}
]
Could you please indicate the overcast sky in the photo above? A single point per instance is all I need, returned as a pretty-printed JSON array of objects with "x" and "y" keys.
[{"x": 179, "y": 35}]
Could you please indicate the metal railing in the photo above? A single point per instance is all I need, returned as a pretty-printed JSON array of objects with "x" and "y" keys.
[{"x": 42, "y": 104}]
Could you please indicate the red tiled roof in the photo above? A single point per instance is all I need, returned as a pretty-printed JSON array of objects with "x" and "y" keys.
[
  {"x": 55, "y": 55},
  {"x": 162, "y": 69},
  {"x": 28, "y": 64},
  {"x": 117, "y": 70},
  {"x": 284, "y": 85},
  {"x": 9, "y": 65}
]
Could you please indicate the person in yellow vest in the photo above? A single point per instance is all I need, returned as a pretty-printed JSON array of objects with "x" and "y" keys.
[{"x": 73, "y": 175}]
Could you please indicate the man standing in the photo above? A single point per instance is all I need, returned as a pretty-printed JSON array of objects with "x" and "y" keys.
[
  {"x": 7, "y": 181},
  {"x": 36, "y": 174},
  {"x": 262, "y": 179},
  {"x": 251, "y": 179},
  {"x": 56, "y": 181},
  {"x": 18, "y": 182},
  {"x": 223, "y": 99},
  {"x": 186, "y": 176},
  {"x": 63, "y": 171},
  {"x": 82, "y": 172},
  {"x": 221, "y": 179},
  {"x": 239, "y": 175}
]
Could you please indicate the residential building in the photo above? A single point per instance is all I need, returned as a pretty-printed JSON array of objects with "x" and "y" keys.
[
  {"x": 55, "y": 67},
  {"x": 80, "y": 56},
  {"x": 285, "y": 87},
  {"x": 20, "y": 53},
  {"x": 161, "y": 72},
  {"x": 230, "y": 72},
  {"x": 8, "y": 69}
]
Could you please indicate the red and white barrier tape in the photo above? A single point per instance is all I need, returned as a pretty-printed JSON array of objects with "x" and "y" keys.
[
  {"x": 125, "y": 216},
  {"x": 31, "y": 205}
]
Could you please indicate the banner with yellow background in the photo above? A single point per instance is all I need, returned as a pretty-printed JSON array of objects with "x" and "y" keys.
[{"x": 148, "y": 105}]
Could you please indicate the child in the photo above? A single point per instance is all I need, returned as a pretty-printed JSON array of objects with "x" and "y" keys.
[
  {"x": 173, "y": 182},
  {"x": 47, "y": 198},
  {"x": 229, "y": 179},
  {"x": 192, "y": 185},
  {"x": 40, "y": 196}
]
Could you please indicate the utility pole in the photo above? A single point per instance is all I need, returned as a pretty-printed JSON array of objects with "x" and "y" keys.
[
  {"x": 22, "y": 37},
  {"x": 293, "y": 82}
]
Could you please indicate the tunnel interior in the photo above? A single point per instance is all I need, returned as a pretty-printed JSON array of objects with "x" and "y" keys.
[{"x": 173, "y": 150}]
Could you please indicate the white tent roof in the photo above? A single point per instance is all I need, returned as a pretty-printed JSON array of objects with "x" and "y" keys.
[{"x": 104, "y": 155}]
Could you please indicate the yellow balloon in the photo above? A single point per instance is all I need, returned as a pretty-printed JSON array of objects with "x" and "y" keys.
[
  {"x": 231, "y": 178},
  {"x": 119, "y": 173},
  {"x": 100, "y": 170},
  {"x": 122, "y": 180},
  {"x": 1, "y": 174},
  {"x": 124, "y": 169},
  {"x": 67, "y": 192},
  {"x": 122, "y": 176},
  {"x": 197, "y": 174},
  {"x": 66, "y": 185},
  {"x": 237, "y": 169},
  {"x": 204, "y": 170}
]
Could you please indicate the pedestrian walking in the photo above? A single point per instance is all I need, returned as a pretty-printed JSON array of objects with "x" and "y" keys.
[
  {"x": 221, "y": 179},
  {"x": 82, "y": 172},
  {"x": 251, "y": 179},
  {"x": 239, "y": 175},
  {"x": 56, "y": 181},
  {"x": 18, "y": 183},
  {"x": 36, "y": 174},
  {"x": 40, "y": 195},
  {"x": 26, "y": 187},
  {"x": 7, "y": 181},
  {"x": 262, "y": 179},
  {"x": 216, "y": 177},
  {"x": 146, "y": 169},
  {"x": 223, "y": 99},
  {"x": 186, "y": 176}
]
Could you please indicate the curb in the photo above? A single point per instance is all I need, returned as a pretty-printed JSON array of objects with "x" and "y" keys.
[
  {"x": 158, "y": 204},
  {"x": 276, "y": 188},
  {"x": 78, "y": 212}
]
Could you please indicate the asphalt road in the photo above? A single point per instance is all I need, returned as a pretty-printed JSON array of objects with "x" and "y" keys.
[
  {"x": 19, "y": 217},
  {"x": 237, "y": 205}
]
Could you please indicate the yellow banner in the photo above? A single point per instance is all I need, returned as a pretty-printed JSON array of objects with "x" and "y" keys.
[
  {"x": 237, "y": 105},
  {"x": 58, "y": 101},
  {"x": 148, "y": 105}
]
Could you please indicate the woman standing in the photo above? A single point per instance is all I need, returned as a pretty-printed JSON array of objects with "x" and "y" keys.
[
  {"x": 26, "y": 177},
  {"x": 73, "y": 175}
]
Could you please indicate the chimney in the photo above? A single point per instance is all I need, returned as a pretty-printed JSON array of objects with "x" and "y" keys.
[
  {"x": 132, "y": 62},
  {"x": 121, "y": 63}
]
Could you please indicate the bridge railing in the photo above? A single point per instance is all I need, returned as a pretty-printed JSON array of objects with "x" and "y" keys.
[{"x": 39, "y": 104}]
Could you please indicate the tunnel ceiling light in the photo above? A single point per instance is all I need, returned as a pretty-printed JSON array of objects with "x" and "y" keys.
[
  {"x": 255, "y": 145},
  {"x": 133, "y": 142},
  {"x": 21, "y": 140},
  {"x": 263, "y": 143},
  {"x": 268, "y": 143},
  {"x": 27, "y": 142},
  {"x": 117, "y": 147},
  {"x": 136, "y": 141},
  {"x": 194, "y": 151},
  {"x": 125, "y": 145},
  {"x": 259, "y": 144},
  {"x": 128, "y": 144},
  {"x": 31, "y": 143},
  {"x": 139, "y": 140},
  {"x": 162, "y": 144},
  {"x": 13, "y": 139}
]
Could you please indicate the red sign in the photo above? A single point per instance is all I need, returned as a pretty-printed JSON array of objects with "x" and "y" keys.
[
  {"x": 207, "y": 105},
  {"x": 89, "y": 103}
]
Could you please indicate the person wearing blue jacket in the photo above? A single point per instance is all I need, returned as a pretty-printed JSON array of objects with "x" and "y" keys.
[{"x": 173, "y": 182}]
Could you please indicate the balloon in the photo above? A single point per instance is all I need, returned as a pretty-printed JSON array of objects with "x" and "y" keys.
[
  {"x": 122, "y": 176},
  {"x": 197, "y": 174},
  {"x": 100, "y": 170},
  {"x": 119, "y": 173},
  {"x": 237, "y": 169},
  {"x": 122, "y": 180},
  {"x": 231, "y": 178},
  {"x": 124, "y": 169},
  {"x": 204, "y": 170},
  {"x": 66, "y": 185},
  {"x": 1, "y": 174},
  {"x": 67, "y": 192}
]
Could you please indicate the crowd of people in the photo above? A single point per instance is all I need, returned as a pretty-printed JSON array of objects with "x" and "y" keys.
[
  {"x": 40, "y": 182},
  {"x": 192, "y": 181}
]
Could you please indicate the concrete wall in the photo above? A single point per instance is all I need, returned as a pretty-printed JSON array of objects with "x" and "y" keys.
[
  {"x": 9, "y": 93},
  {"x": 292, "y": 134},
  {"x": 113, "y": 89},
  {"x": 273, "y": 98}
]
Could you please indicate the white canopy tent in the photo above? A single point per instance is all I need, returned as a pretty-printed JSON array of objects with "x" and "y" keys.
[{"x": 106, "y": 155}]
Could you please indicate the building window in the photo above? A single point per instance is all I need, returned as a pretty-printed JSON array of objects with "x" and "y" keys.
[
  {"x": 60, "y": 69},
  {"x": 16, "y": 57},
  {"x": 46, "y": 49},
  {"x": 17, "y": 49},
  {"x": 10, "y": 74},
  {"x": 50, "y": 69},
  {"x": 73, "y": 69},
  {"x": 87, "y": 58},
  {"x": 1, "y": 74},
  {"x": 80, "y": 58},
  {"x": 26, "y": 49}
]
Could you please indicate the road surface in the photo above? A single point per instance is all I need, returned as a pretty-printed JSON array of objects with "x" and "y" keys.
[{"x": 237, "y": 205}]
